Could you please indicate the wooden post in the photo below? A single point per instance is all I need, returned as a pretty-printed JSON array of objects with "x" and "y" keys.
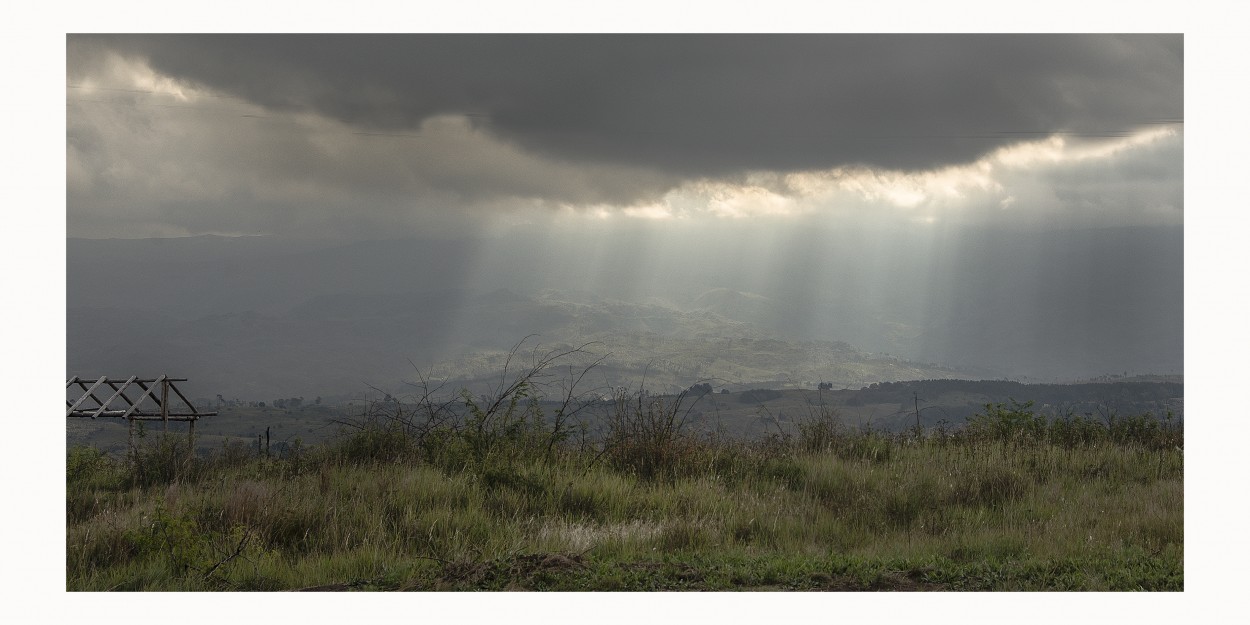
[
  {"x": 134, "y": 451},
  {"x": 191, "y": 438},
  {"x": 165, "y": 403}
]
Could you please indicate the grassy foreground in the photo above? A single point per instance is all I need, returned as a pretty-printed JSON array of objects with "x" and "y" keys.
[{"x": 502, "y": 497}]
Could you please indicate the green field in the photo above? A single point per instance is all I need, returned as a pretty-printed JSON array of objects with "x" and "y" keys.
[{"x": 506, "y": 493}]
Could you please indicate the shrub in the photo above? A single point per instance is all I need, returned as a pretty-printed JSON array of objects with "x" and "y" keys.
[
  {"x": 164, "y": 460},
  {"x": 186, "y": 549},
  {"x": 1146, "y": 431},
  {"x": 1016, "y": 423},
  {"x": 648, "y": 437},
  {"x": 88, "y": 466},
  {"x": 1072, "y": 431},
  {"x": 477, "y": 433},
  {"x": 88, "y": 471},
  {"x": 820, "y": 431},
  {"x": 374, "y": 442}
]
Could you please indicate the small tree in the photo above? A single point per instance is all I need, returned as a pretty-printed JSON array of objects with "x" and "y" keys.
[{"x": 699, "y": 390}]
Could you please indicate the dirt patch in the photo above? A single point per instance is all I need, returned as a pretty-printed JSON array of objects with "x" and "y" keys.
[
  {"x": 893, "y": 581},
  {"x": 528, "y": 565},
  {"x": 516, "y": 573},
  {"x": 326, "y": 588},
  {"x": 540, "y": 571}
]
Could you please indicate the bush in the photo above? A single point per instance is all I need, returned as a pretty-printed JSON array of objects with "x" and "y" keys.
[
  {"x": 1074, "y": 431},
  {"x": 820, "y": 431},
  {"x": 483, "y": 433},
  {"x": 88, "y": 465},
  {"x": 88, "y": 473},
  {"x": 647, "y": 436},
  {"x": 1146, "y": 431},
  {"x": 1016, "y": 423},
  {"x": 374, "y": 443},
  {"x": 187, "y": 549},
  {"x": 165, "y": 460}
]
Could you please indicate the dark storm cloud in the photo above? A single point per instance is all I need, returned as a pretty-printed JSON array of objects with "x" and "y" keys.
[{"x": 699, "y": 104}]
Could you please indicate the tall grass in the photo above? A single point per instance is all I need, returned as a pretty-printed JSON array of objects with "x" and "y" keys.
[{"x": 497, "y": 494}]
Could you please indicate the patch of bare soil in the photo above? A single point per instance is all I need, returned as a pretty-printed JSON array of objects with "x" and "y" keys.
[
  {"x": 518, "y": 573},
  {"x": 894, "y": 581},
  {"x": 326, "y": 588}
]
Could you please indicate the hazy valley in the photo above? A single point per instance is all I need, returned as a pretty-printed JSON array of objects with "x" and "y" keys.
[{"x": 258, "y": 317}]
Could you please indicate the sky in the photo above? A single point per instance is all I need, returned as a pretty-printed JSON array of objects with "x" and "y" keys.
[
  {"x": 881, "y": 186},
  {"x": 372, "y": 136}
]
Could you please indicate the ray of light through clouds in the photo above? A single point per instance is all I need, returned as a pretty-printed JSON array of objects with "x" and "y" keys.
[{"x": 911, "y": 192}]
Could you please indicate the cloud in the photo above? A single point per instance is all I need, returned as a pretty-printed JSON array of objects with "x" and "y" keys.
[
  {"x": 699, "y": 105},
  {"x": 1135, "y": 179},
  {"x": 167, "y": 159},
  {"x": 367, "y": 136}
]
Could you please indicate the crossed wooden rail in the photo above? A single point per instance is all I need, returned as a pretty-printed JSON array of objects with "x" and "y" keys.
[{"x": 89, "y": 405}]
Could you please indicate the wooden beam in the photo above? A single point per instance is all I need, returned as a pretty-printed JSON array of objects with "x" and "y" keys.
[
  {"x": 141, "y": 416},
  {"x": 91, "y": 392},
  {"x": 116, "y": 391},
  {"x": 165, "y": 403},
  {"x": 86, "y": 394},
  {"x": 122, "y": 393},
  {"x": 184, "y": 397},
  {"x": 146, "y": 393}
]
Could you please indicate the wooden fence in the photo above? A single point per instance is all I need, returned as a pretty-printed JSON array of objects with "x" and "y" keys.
[{"x": 152, "y": 403}]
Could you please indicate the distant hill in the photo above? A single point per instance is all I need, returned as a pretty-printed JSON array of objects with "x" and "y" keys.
[
  {"x": 265, "y": 316},
  {"x": 341, "y": 343},
  {"x": 739, "y": 306}
]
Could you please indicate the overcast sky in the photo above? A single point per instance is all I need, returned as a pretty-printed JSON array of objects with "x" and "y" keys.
[{"x": 364, "y": 136}]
